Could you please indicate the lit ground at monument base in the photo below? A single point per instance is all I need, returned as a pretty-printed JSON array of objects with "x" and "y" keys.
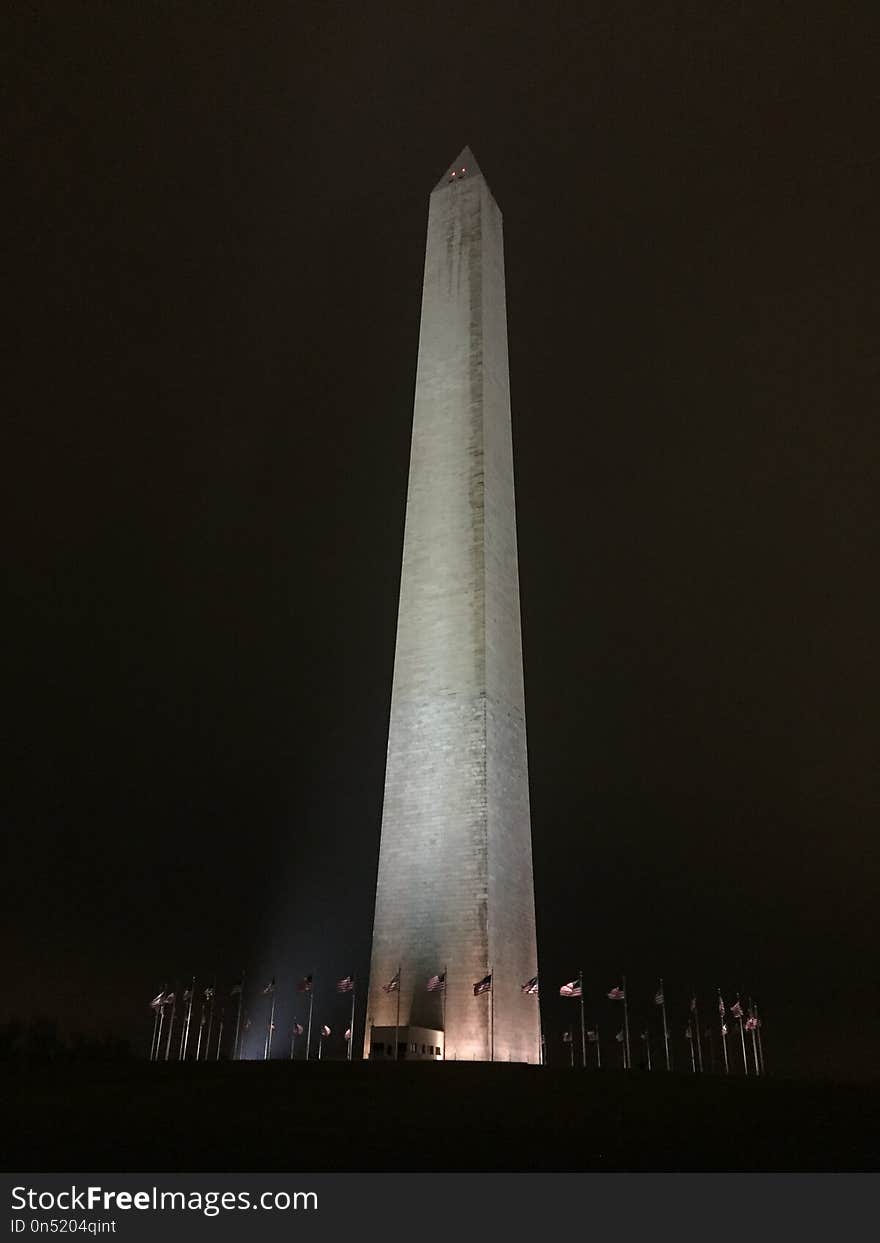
[{"x": 127, "y": 1117}]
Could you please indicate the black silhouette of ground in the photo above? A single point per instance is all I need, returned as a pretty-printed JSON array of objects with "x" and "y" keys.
[{"x": 133, "y": 1116}]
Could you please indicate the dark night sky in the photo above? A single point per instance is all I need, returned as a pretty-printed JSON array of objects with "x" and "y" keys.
[{"x": 216, "y": 256}]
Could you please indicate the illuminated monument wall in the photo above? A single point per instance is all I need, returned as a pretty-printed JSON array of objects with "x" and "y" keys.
[{"x": 455, "y": 885}]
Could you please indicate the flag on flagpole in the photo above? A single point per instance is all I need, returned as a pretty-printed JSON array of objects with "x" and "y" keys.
[
  {"x": 169, "y": 999},
  {"x": 437, "y": 983},
  {"x": 345, "y": 985},
  {"x": 693, "y": 1005},
  {"x": 736, "y": 1010},
  {"x": 347, "y": 1035},
  {"x": 659, "y": 999},
  {"x": 566, "y": 1037},
  {"x": 298, "y": 1029},
  {"x": 616, "y": 994},
  {"x": 721, "y": 1009},
  {"x": 305, "y": 984},
  {"x": 267, "y": 991},
  {"x": 688, "y": 1033},
  {"x": 209, "y": 993},
  {"x": 530, "y": 987},
  {"x": 751, "y": 1024},
  {"x": 644, "y": 1035},
  {"x": 325, "y": 1031},
  {"x": 187, "y": 994},
  {"x": 593, "y": 1036},
  {"x": 484, "y": 985},
  {"x": 619, "y": 1037},
  {"x": 393, "y": 984},
  {"x": 723, "y": 1029},
  {"x": 157, "y": 1001},
  {"x": 574, "y": 988}
]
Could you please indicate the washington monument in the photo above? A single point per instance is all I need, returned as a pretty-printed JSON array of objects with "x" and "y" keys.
[{"x": 455, "y": 893}]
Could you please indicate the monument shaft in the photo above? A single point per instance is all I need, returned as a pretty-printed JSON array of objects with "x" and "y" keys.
[{"x": 455, "y": 888}]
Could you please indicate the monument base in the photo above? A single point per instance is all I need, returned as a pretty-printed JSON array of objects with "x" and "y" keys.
[{"x": 414, "y": 1044}]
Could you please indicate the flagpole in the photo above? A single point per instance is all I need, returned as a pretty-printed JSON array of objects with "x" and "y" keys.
[
  {"x": 184, "y": 1035},
  {"x": 351, "y": 1024},
  {"x": 697, "y": 1025},
  {"x": 156, "y": 1010},
  {"x": 309, "y": 1029},
  {"x": 210, "y": 1018},
  {"x": 269, "y": 1029},
  {"x": 571, "y": 1047},
  {"x": 626, "y": 1026},
  {"x": 443, "y": 1006},
  {"x": 665, "y": 1030},
  {"x": 161, "y": 1025},
  {"x": 691, "y": 1043},
  {"x": 742, "y": 1036},
  {"x": 220, "y": 1035},
  {"x": 397, "y": 1020},
  {"x": 292, "y": 1039},
  {"x": 491, "y": 1015},
  {"x": 760, "y": 1041},
  {"x": 201, "y": 1031},
  {"x": 598, "y": 1049},
  {"x": 236, "y": 1045},
  {"x": 753, "y": 1031},
  {"x": 171, "y": 1024},
  {"x": 583, "y": 1026},
  {"x": 721, "y": 1013}
]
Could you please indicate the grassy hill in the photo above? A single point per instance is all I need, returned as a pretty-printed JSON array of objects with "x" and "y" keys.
[{"x": 133, "y": 1116}]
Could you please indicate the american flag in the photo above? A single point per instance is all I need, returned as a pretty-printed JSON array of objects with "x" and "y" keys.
[
  {"x": 484, "y": 985},
  {"x": 574, "y": 988},
  {"x": 305, "y": 985},
  {"x": 298, "y": 1029},
  {"x": 209, "y": 992},
  {"x": 267, "y": 991},
  {"x": 530, "y": 987},
  {"x": 721, "y": 1009},
  {"x": 616, "y": 994},
  {"x": 752, "y": 1024},
  {"x": 347, "y": 1035},
  {"x": 437, "y": 983},
  {"x": 723, "y": 1029},
  {"x": 325, "y": 1030},
  {"x": 345, "y": 985},
  {"x": 736, "y": 1010},
  {"x": 393, "y": 984},
  {"x": 659, "y": 999},
  {"x": 157, "y": 1001}
]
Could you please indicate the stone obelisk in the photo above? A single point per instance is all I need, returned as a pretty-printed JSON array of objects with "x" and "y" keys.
[{"x": 455, "y": 889}]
